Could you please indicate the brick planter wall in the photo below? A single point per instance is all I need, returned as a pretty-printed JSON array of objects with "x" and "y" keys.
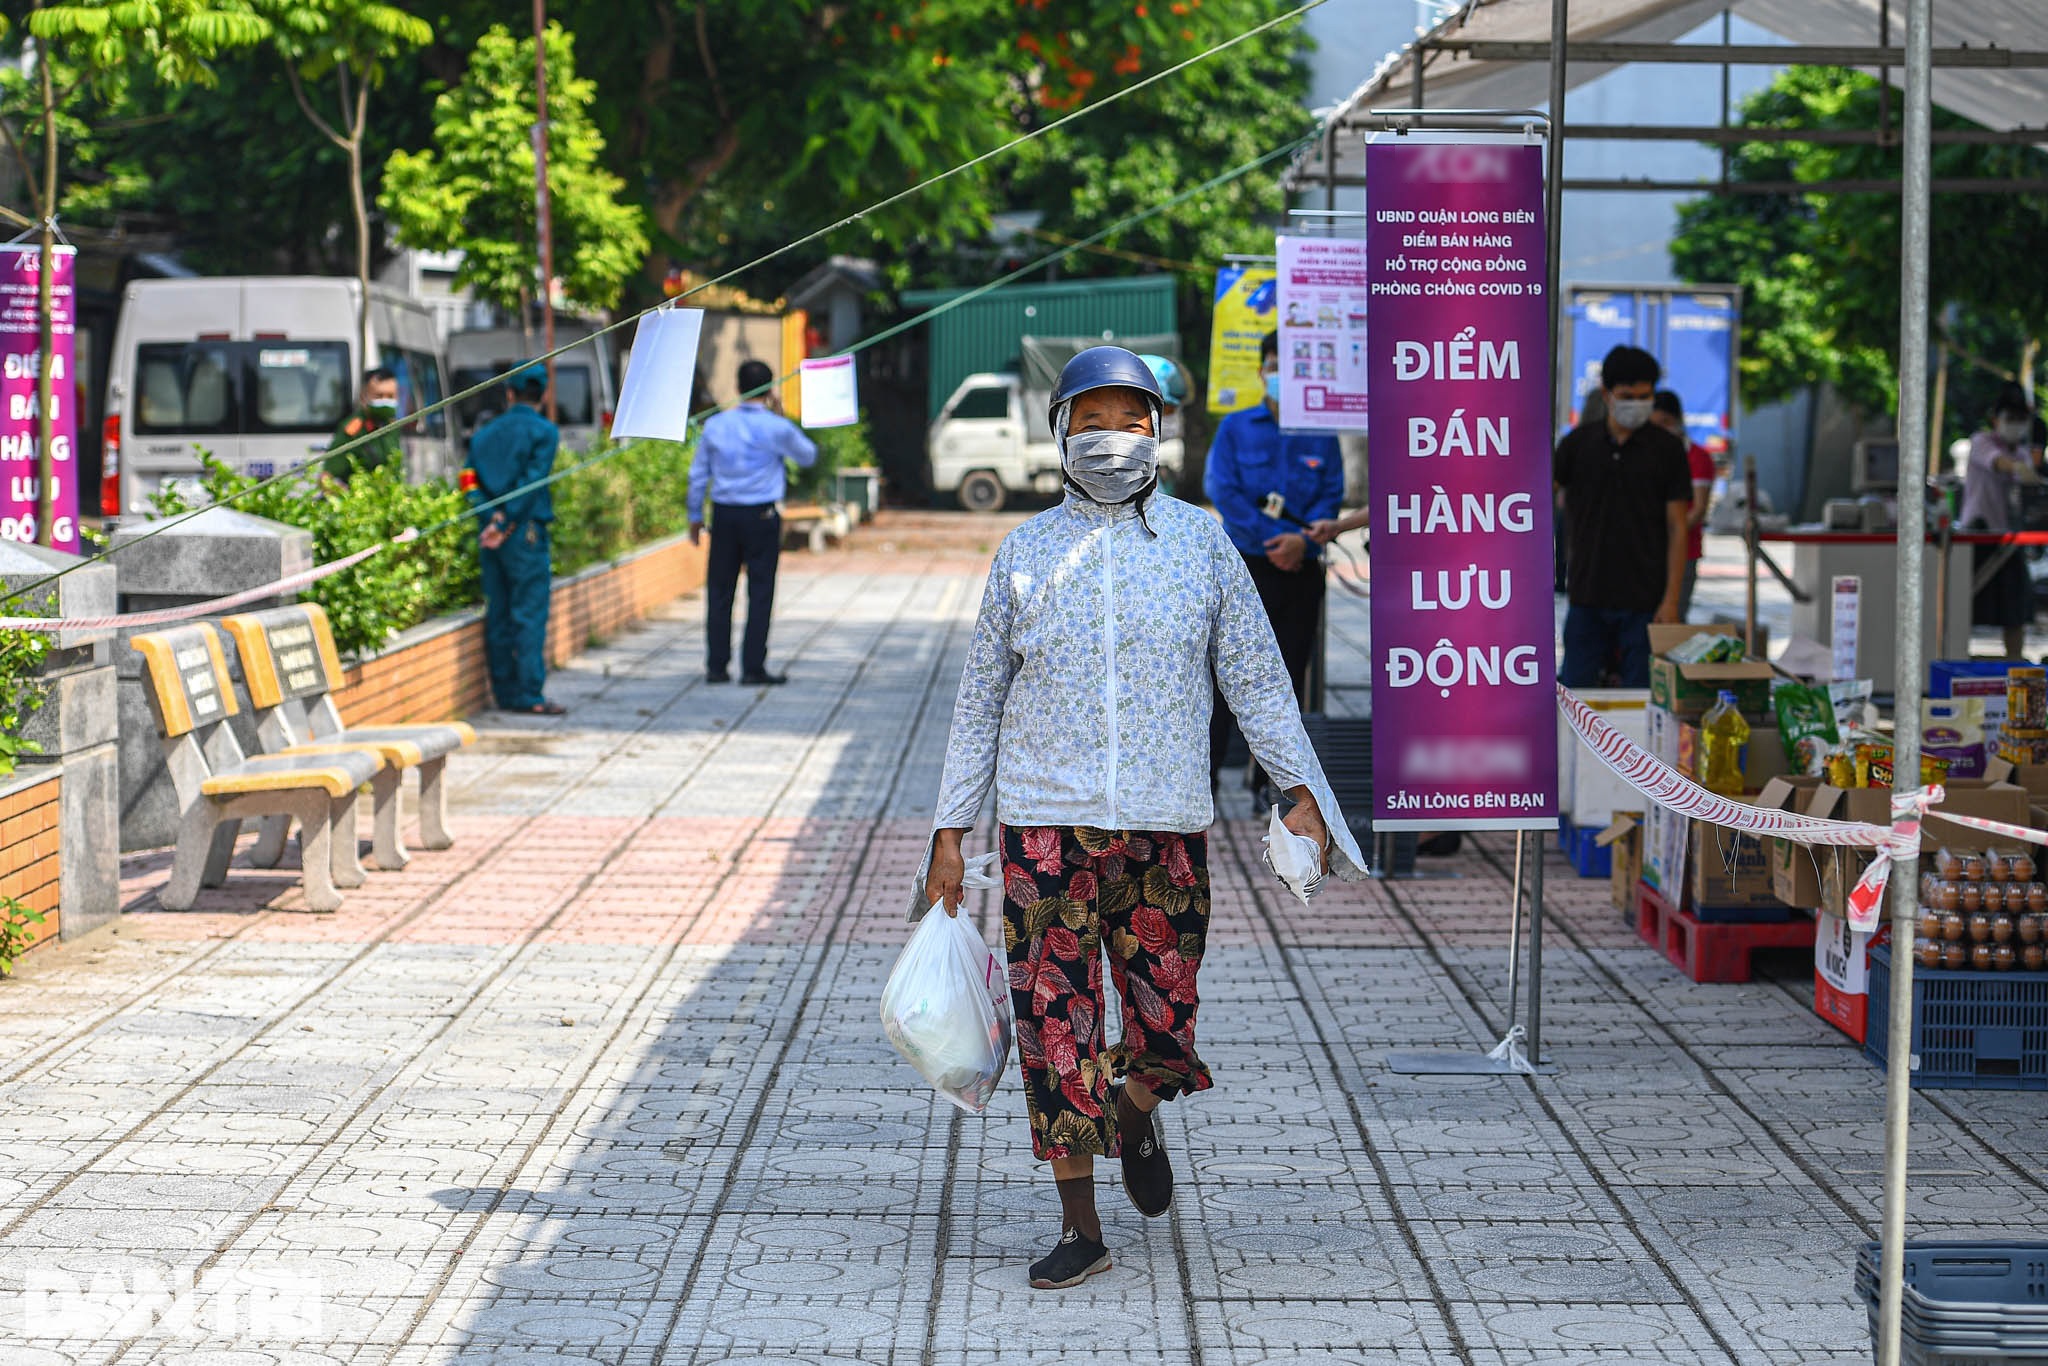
[
  {"x": 436, "y": 671},
  {"x": 29, "y": 837}
]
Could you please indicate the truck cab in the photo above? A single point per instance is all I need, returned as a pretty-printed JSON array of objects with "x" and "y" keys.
[{"x": 991, "y": 442}]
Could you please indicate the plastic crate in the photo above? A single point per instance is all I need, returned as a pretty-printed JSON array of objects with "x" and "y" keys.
[
  {"x": 1587, "y": 858},
  {"x": 1965, "y": 1302},
  {"x": 1971, "y": 1030}
]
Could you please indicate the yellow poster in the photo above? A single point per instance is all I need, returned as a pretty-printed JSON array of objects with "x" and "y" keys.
[{"x": 1244, "y": 315}]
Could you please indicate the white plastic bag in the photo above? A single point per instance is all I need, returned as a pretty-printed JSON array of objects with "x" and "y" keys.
[
  {"x": 1294, "y": 859},
  {"x": 946, "y": 1007}
]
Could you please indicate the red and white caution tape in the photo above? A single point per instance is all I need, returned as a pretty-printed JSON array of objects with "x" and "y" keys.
[
  {"x": 290, "y": 583},
  {"x": 1673, "y": 791}
]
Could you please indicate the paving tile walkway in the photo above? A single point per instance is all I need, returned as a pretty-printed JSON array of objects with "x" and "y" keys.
[{"x": 604, "y": 1084}]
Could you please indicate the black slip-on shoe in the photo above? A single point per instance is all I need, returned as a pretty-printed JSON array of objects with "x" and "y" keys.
[
  {"x": 763, "y": 680},
  {"x": 721, "y": 676},
  {"x": 1441, "y": 846},
  {"x": 1148, "y": 1175},
  {"x": 1073, "y": 1259}
]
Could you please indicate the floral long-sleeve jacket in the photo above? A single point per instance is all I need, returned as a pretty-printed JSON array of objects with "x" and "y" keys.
[{"x": 1086, "y": 695}]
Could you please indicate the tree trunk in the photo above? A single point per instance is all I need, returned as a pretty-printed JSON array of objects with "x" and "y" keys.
[
  {"x": 46, "y": 464},
  {"x": 360, "y": 204}
]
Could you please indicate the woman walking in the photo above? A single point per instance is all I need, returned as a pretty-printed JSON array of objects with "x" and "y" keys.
[{"x": 1085, "y": 703}]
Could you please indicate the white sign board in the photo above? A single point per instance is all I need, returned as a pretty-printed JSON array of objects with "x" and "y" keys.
[
  {"x": 1848, "y": 602},
  {"x": 829, "y": 392},
  {"x": 655, "y": 401},
  {"x": 1322, "y": 297}
]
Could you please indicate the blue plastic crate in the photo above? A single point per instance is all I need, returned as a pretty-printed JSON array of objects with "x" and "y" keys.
[
  {"x": 1971, "y": 1030},
  {"x": 1588, "y": 859},
  {"x": 1942, "y": 673},
  {"x": 1965, "y": 1302}
]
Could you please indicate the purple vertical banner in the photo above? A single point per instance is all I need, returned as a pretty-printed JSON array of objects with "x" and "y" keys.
[
  {"x": 20, "y": 355},
  {"x": 1463, "y": 701}
]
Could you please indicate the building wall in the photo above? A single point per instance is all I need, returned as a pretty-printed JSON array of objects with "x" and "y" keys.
[{"x": 30, "y": 838}]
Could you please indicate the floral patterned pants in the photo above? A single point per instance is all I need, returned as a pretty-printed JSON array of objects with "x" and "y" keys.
[{"x": 1067, "y": 892}]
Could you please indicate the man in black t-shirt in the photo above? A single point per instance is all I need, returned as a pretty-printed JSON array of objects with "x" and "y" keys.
[{"x": 1627, "y": 494}]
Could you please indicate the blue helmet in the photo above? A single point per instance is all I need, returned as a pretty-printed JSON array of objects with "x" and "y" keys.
[
  {"x": 1173, "y": 381},
  {"x": 1102, "y": 367}
]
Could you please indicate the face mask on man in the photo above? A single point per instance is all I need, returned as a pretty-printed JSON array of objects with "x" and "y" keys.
[
  {"x": 386, "y": 408},
  {"x": 1111, "y": 467},
  {"x": 1631, "y": 413},
  {"x": 1273, "y": 386},
  {"x": 2012, "y": 430}
]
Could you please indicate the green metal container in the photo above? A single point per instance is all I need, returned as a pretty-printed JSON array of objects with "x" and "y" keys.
[{"x": 981, "y": 334}]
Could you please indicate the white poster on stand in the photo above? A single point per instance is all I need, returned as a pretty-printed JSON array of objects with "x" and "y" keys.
[
  {"x": 1847, "y": 609},
  {"x": 829, "y": 392},
  {"x": 1323, "y": 289},
  {"x": 655, "y": 399}
]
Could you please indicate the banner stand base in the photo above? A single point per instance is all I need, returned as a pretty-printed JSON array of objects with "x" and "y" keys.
[{"x": 1505, "y": 1059}]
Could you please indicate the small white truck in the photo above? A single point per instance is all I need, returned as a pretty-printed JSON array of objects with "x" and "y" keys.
[{"x": 992, "y": 441}]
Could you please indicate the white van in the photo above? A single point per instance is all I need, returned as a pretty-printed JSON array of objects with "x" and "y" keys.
[
  {"x": 258, "y": 370},
  {"x": 584, "y": 393}
]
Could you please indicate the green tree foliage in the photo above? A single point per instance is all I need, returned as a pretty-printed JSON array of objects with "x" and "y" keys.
[
  {"x": 1820, "y": 272},
  {"x": 474, "y": 189},
  {"x": 97, "y": 43},
  {"x": 353, "y": 44},
  {"x": 747, "y": 123}
]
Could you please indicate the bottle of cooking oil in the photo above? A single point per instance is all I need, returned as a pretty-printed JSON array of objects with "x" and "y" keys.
[{"x": 1724, "y": 743}]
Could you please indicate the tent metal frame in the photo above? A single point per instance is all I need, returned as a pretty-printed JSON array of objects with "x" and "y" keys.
[{"x": 1916, "y": 138}]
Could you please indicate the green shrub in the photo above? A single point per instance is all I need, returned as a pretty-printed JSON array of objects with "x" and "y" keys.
[
  {"x": 839, "y": 448},
  {"x": 636, "y": 495},
  {"x": 22, "y": 689},
  {"x": 387, "y": 592}
]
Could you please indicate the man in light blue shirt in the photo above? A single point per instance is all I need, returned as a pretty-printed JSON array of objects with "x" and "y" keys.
[{"x": 740, "y": 458}]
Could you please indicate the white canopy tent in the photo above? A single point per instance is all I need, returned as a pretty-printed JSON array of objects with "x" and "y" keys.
[
  {"x": 1990, "y": 66},
  {"x": 1984, "y": 59}
]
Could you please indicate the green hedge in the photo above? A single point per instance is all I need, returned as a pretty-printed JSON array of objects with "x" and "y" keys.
[
  {"x": 386, "y": 593},
  {"x": 637, "y": 495}
]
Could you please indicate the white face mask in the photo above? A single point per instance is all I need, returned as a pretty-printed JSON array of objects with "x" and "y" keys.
[
  {"x": 1631, "y": 413},
  {"x": 2013, "y": 430},
  {"x": 1111, "y": 467}
]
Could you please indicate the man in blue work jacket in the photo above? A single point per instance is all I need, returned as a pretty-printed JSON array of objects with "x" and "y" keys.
[
  {"x": 510, "y": 452},
  {"x": 740, "y": 459},
  {"x": 1250, "y": 459}
]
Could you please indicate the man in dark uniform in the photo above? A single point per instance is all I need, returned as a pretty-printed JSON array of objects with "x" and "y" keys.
[
  {"x": 376, "y": 413},
  {"x": 1627, "y": 507},
  {"x": 510, "y": 452},
  {"x": 1250, "y": 458}
]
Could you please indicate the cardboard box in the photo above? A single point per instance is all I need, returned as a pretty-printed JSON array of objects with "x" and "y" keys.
[
  {"x": 1763, "y": 758},
  {"x": 1588, "y": 791},
  {"x": 1664, "y": 840},
  {"x": 1795, "y": 868},
  {"x": 1841, "y": 975},
  {"x": 1687, "y": 690},
  {"x": 1989, "y": 694},
  {"x": 2032, "y": 777},
  {"x": 1623, "y": 838},
  {"x": 1663, "y": 733},
  {"x": 1966, "y": 796},
  {"x": 1727, "y": 868}
]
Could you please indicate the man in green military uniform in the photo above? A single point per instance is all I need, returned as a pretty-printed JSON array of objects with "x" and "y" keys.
[
  {"x": 507, "y": 454},
  {"x": 375, "y": 413}
]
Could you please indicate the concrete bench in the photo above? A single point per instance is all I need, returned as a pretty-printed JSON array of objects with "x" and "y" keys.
[
  {"x": 218, "y": 786},
  {"x": 292, "y": 668}
]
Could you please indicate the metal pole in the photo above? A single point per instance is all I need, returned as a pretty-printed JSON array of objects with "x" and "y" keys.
[
  {"x": 1914, "y": 290},
  {"x": 542, "y": 211},
  {"x": 1515, "y": 927},
  {"x": 1749, "y": 545},
  {"x": 1553, "y": 214}
]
